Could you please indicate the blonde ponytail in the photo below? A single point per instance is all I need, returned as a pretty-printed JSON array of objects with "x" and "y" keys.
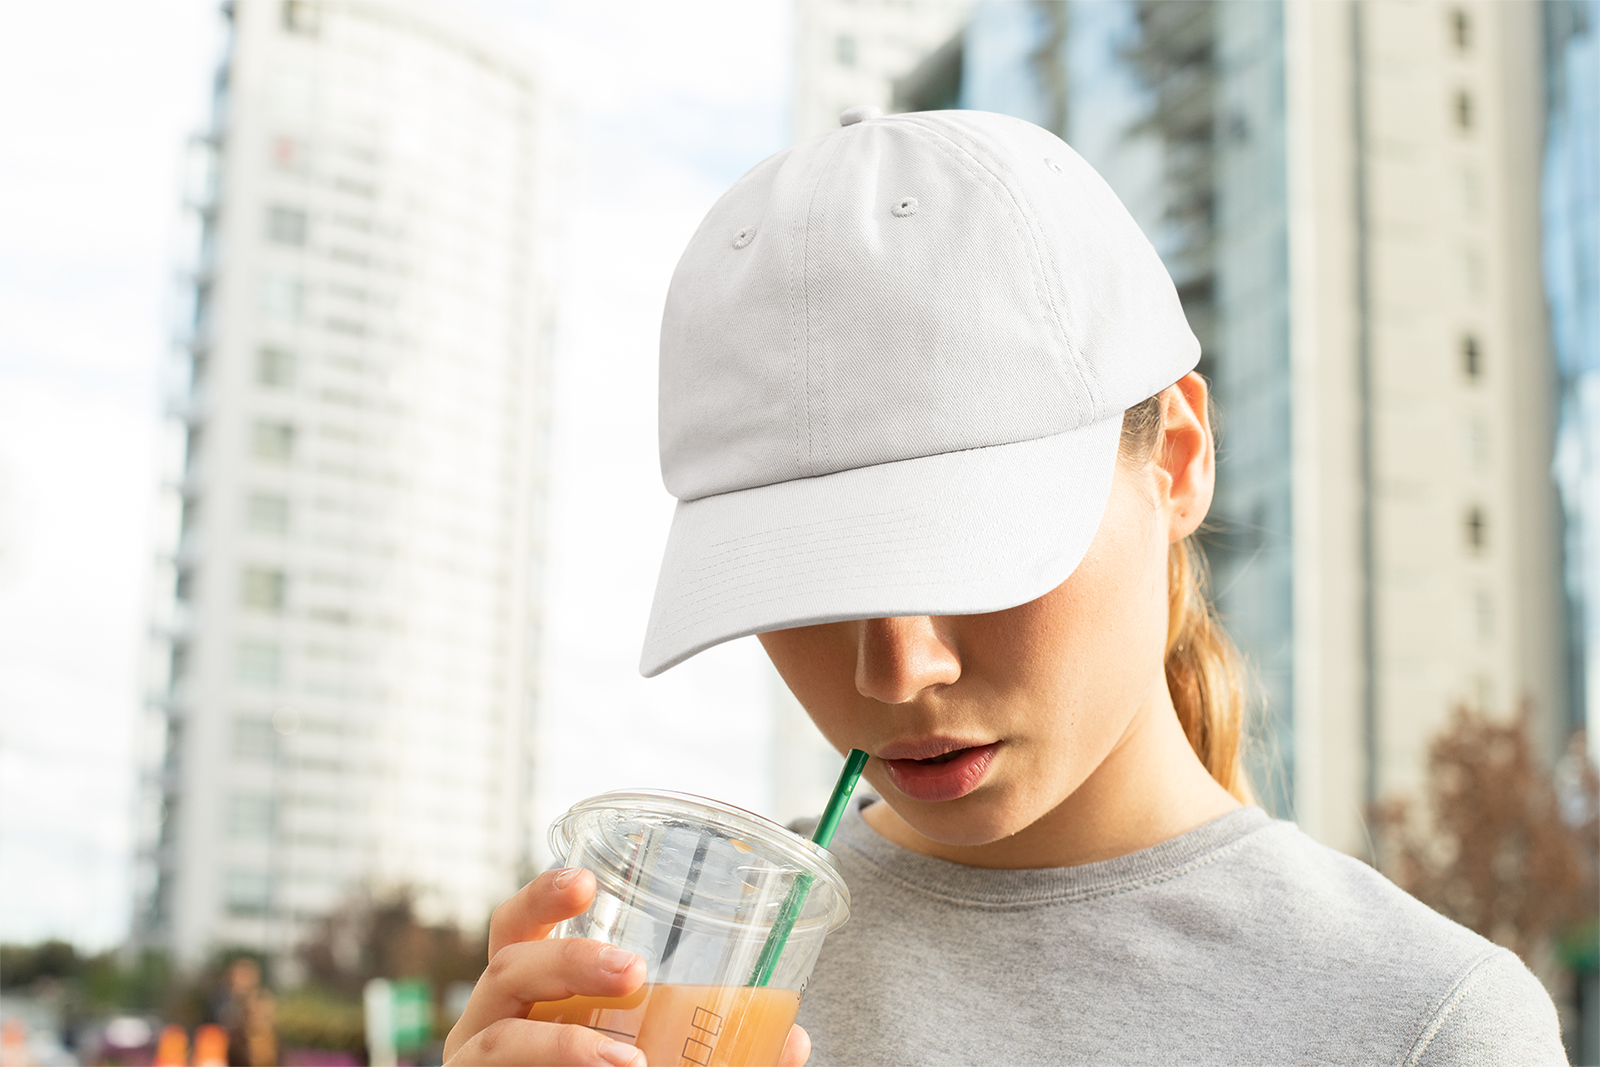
[{"x": 1204, "y": 672}]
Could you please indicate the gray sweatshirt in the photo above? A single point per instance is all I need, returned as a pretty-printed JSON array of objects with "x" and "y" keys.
[{"x": 1240, "y": 942}]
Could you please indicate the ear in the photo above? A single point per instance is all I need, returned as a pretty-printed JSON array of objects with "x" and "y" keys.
[{"x": 1186, "y": 460}]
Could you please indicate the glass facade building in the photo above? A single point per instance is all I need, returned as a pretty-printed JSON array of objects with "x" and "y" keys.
[
  {"x": 1571, "y": 201},
  {"x": 1352, "y": 325},
  {"x": 1181, "y": 108}
]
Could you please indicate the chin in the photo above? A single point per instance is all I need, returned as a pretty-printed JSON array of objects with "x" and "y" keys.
[{"x": 965, "y": 823}]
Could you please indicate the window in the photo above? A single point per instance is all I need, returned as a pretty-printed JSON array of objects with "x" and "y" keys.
[
  {"x": 1463, "y": 109},
  {"x": 260, "y": 663},
  {"x": 1483, "y": 604},
  {"x": 302, "y": 17},
  {"x": 189, "y": 517},
  {"x": 1471, "y": 357},
  {"x": 1471, "y": 193},
  {"x": 275, "y": 367},
  {"x": 250, "y": 817},
  {"x": 844, "y": 49},
  {"x": 1472, "y": 273},
  {"x": 1477, "y": 529},
  {"x": 267, "y": 513},
  {"x": 202, "y": 307},
  {"x": 288, "y": 154},
  {"x": 1461, "y": 29},
  {"x": 178, "y": 666},
  {"x": 263, "y": 589},
  {"x": 254, "y": 739},
  {"x": 247, "y": 892},
  {"x": 283, "y": 298},
  {"x": 191, "y": 449},
  {"x": 272, "y": 441},
  {"x": 1478, "y": 442},
  {"x": 286, "y": 225}
]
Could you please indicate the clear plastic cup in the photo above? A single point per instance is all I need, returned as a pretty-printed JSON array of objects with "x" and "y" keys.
[{"x": 699, "y": 890}]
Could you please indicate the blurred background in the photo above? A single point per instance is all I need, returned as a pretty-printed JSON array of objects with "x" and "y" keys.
[{"x": 330, "y": 514}]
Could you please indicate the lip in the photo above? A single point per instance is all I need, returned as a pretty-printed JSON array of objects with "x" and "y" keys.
[{"x": 933, "y": 782}]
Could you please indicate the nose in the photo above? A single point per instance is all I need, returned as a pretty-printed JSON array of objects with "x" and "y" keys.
[{"x": 898, "y": 658}]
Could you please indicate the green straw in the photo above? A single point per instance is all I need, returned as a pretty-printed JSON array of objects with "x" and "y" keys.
[{"x": 801, "y": 888}]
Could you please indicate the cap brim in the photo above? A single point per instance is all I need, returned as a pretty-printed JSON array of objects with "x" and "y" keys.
[{"x": 954, "y": 534}]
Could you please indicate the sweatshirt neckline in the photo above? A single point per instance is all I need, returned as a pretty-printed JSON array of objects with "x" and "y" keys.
[{"x": 992, "y": 887}]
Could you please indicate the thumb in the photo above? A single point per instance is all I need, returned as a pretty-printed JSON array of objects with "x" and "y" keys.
[{"x": 796, "y": 1050}]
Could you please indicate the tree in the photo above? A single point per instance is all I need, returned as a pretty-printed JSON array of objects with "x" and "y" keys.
[
  {"x": 371, "y": 937},
  {"x": 1498, "y": 845},
  {"x": 381, "y": 937}
]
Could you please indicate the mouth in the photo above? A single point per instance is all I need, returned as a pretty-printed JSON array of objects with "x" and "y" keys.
[{"x": 937, "y": 769}]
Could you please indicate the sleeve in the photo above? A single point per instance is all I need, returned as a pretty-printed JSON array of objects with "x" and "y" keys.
[{"x": 1497, "y": 1013}]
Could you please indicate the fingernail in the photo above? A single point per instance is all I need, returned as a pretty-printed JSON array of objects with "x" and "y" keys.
[
  {"x": 618, "y": 1053},
  {"x": 616, "y": 960},
  {"x": 564, "y": 878}
]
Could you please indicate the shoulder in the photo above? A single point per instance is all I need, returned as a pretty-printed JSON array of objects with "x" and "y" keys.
[
  {"x": 1467, "y": 999},
  {"x": 1497, "y": 1013},
  {"x": 1323, "y": 891}
]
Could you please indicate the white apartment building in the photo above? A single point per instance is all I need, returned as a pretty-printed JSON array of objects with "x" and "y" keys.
[
  {"x": 1419, "y": 334},
  {"x": 352, "y": 641}
]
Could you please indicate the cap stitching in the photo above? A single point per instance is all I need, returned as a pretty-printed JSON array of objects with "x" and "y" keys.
[
  {"x": 793, "y": 555},
  {"x": 767, "y": 594},
  {"x": 798, "y": 529},
  {"x": 705, "y": 600},
  {"x": 699, "y": 597},
  {"x": 1087, "y": 373},
  {"x": 1077, "y": 366},
  {"x": 794, "y": 346},
  {"x": 810, "y": 462},
  {"x": 851, "y": 535}
]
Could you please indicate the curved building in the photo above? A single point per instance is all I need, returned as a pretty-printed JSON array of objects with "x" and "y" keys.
[{"x": 353, "y": 634}]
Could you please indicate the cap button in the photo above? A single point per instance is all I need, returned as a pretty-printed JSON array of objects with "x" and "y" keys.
[{"x": 852, "y": 115}]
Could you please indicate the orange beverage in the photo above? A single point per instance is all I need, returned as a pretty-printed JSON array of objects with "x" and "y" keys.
[{"x": 702, "y": 1025}]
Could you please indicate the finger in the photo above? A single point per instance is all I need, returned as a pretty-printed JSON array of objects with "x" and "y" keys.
[
  {"x": 518, "y": 1041},
  {"x": 797, "y": 1049},
  {"x": 533, "y": 911},
  {"x": 526, "y": 972}
]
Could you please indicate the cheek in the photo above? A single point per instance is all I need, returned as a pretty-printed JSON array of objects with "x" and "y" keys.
[
  {"x": 1099, "y": 639},
  {"x": 818, "y": 665},
  {"x": 1124, "y": 583}
]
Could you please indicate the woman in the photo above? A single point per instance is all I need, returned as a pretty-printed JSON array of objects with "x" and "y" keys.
[{"x": 929, "y": 409}]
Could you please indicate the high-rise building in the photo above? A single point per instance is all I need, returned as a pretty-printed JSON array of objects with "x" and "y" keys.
[
  {"x": 1347, "y": 196},
  {"x": 851, "y": 52},
  {"x": 351, "y": 643},
  {"x": 1572, "y": 285}
]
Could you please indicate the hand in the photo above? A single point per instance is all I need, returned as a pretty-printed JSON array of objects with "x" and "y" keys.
[{"x": 527, "y": 966}]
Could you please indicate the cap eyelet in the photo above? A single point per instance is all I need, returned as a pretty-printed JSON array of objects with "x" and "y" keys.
[
  {"x": 1053, "y": 164},
  {"x": 904, "y": 207},
  {"x": 744, "y": 237}
]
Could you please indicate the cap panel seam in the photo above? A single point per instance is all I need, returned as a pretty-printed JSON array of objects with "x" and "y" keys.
[
  {"x": 809, "y": 463},
  {"x": 795, "y": 413},
  {"x": 964, "y": 155},
  {"x": 1085, "y": 367}
]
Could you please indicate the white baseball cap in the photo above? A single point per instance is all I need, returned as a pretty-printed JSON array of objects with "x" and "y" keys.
[{"x": 894, "y": 363}]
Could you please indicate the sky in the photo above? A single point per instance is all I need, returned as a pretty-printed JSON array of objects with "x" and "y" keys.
[{"x": 667, "y": 105}]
